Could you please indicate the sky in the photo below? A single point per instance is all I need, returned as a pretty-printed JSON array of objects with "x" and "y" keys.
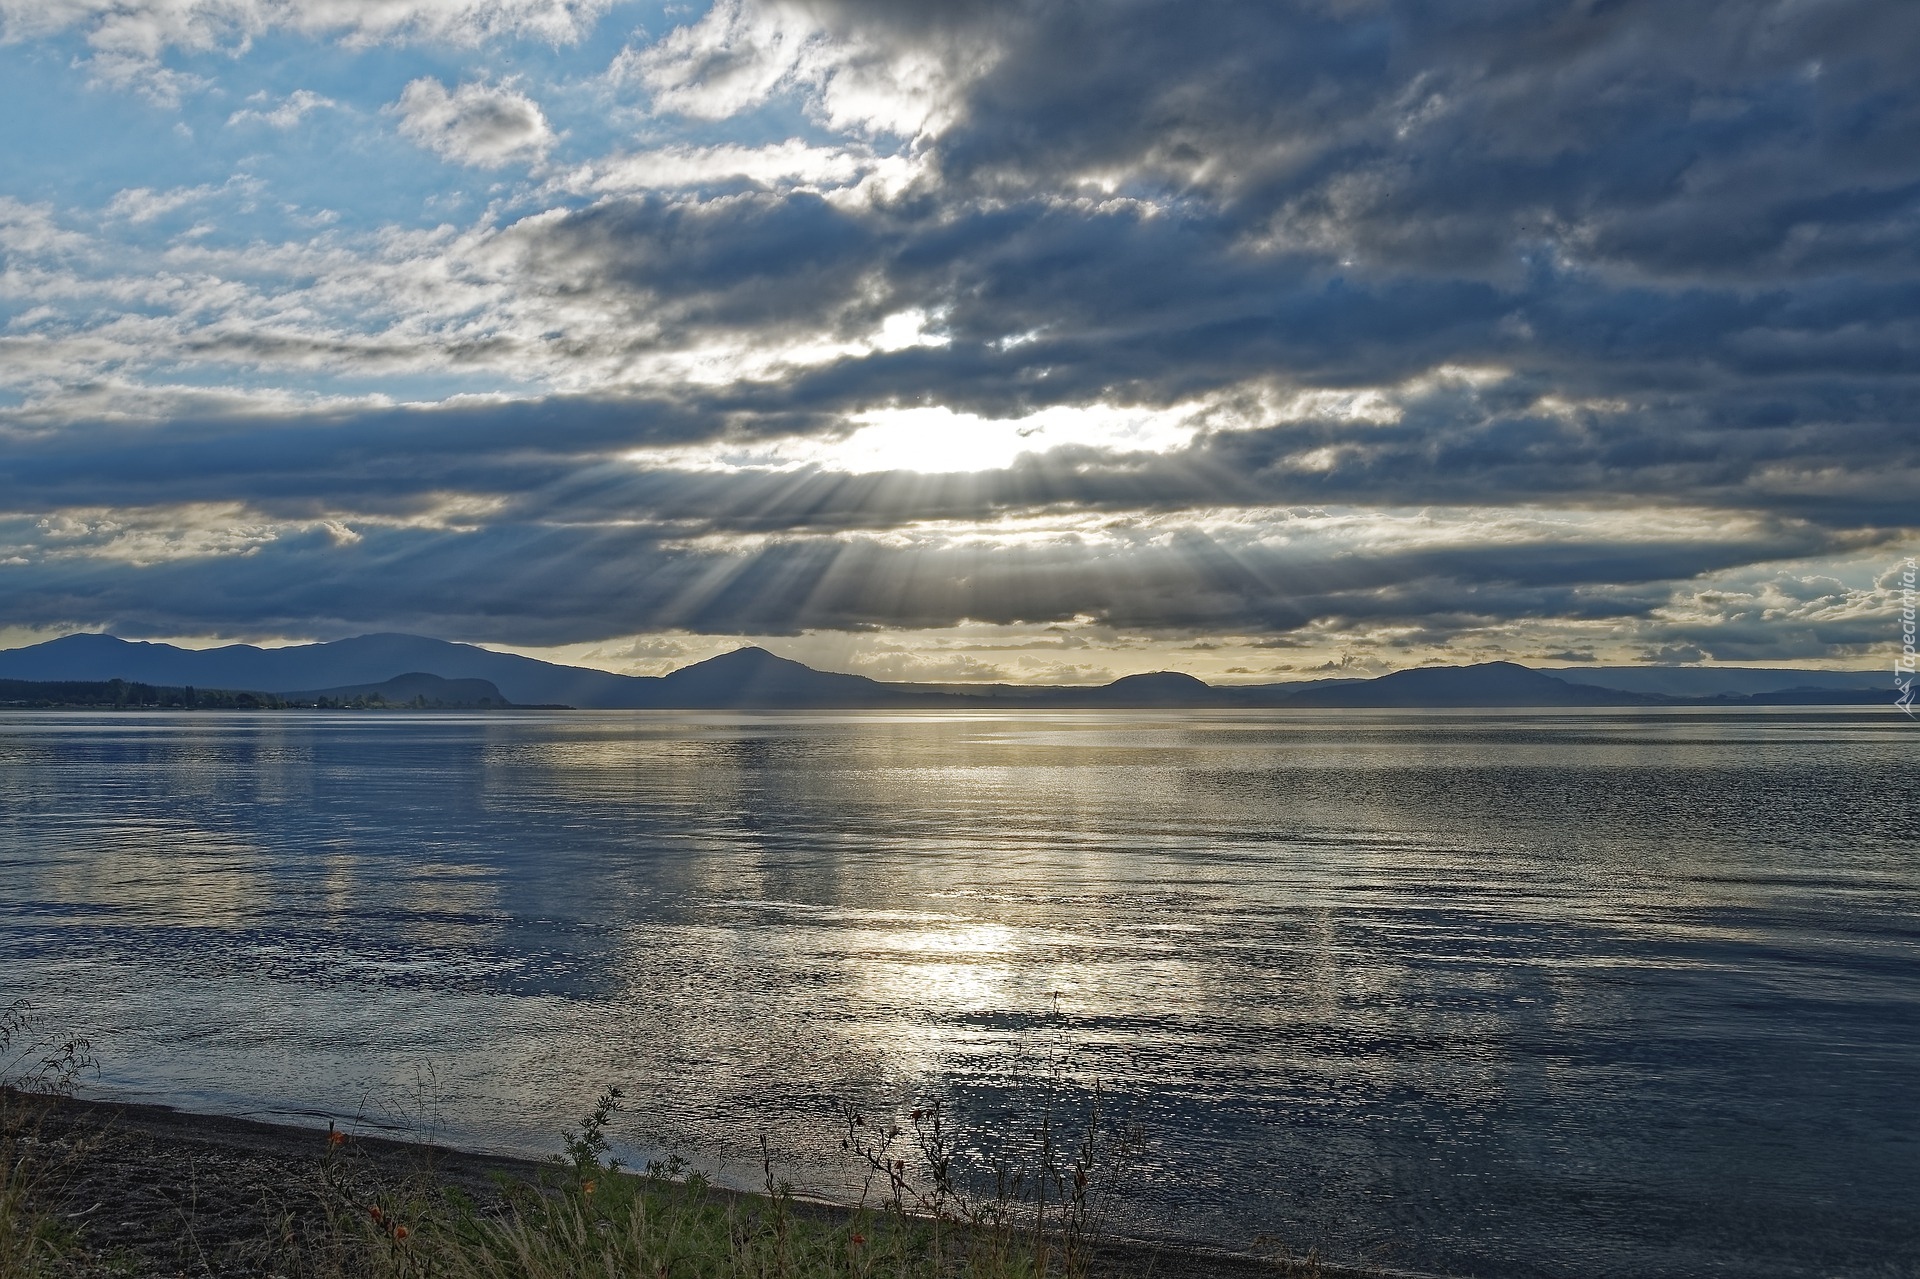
[{"x": 966, "y": 341}]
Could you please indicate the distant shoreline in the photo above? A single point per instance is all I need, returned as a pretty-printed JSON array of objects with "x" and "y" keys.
[
  {"x": 1875, "y": 709},
  {"x": 1466, "y": 688},
  {"x": 109, "y": 708},
  {"x": 414, "y": 691}
]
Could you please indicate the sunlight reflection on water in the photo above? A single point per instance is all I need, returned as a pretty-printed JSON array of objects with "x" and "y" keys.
[{"x": 1508, "y": 994}]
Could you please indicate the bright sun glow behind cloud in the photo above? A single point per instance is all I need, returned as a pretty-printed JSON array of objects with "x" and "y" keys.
[{"x": 936, "y": 440}]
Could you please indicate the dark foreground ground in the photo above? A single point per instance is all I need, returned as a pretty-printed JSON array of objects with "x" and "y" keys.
[{"x": 150, "y": 1191}]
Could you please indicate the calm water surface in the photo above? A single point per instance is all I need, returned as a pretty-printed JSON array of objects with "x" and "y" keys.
[{"x": 1504, "y": 994}]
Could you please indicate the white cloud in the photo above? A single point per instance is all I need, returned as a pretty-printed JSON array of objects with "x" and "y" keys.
[
  {"x": 130, "y": 37},
  {"x": 732, "y": 59},
  {"x": 147, "y": 28},
  {"x": 160, "y": 85},
  {"x": 743, "y": 52},
  {"x": 478, "y": 124},
  {"x": 32, "y": 229},
  {"x": 144, "y": 204},
  {"x": 292, "y": 109},
  {"x": 153, "y": 535},
  {"x": 779, "y": 163},
  {"x": 934, "y": 439}
]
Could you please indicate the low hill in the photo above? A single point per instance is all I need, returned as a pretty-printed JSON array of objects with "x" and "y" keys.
[
  {"x": 1881, "y": 696},
  {"x": 1156, "y": 688},
  {"x": 1718, "y": 681},
  {"x": 1490, "y": 684},
  {"x": 753, "y": 677},
  {"x": 348, "y": 663},
  {"x": 415, "y": 688}
]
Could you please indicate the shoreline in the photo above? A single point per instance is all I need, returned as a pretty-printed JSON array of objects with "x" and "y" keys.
[{"x": 172, "y": 1191}]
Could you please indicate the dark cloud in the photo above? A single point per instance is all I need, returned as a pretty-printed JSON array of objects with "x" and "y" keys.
[
  {"x": 556, "y": 583},
  {"x": 1693, "y": 139},
  {"x": 755, "y": 260},
  {"x": 583, "y": 460}
]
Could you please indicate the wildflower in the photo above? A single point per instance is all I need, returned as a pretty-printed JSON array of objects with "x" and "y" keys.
[
  {"x": 399, "y": 1232},
  {"x": 918, "y": 1115},
  {"x": 858, "y": 1240},
  {"x": 586, "y": 1187},
  {"x": 335, "y": 1137},
  {"x": 373, "y": 1210}
]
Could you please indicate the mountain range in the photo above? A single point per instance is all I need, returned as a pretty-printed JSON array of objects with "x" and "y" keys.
[{"x": 752, "y": 678}]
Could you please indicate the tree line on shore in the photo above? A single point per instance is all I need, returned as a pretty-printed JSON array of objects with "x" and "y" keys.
[{"x": 120, "y": 694}]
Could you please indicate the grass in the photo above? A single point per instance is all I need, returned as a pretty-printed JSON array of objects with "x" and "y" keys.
[{"x": 590, "y": 1218}]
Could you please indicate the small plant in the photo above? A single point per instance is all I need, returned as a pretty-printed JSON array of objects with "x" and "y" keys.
[
  {"x": 1281, "y": 1257},
  {"x": 1036, "y": 1200},
  {"x": 587, "y": 1149},
  {"x": 33, "y": 1071},
  {"x": 1039, "y": 1206},
  {"x": 30, "y": 1063}
]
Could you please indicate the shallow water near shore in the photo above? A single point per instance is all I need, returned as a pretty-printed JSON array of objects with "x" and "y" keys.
[{"x": 1541, "y": 993}]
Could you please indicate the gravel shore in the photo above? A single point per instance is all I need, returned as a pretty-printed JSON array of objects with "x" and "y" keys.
[{"x": 149, "y": 1190}]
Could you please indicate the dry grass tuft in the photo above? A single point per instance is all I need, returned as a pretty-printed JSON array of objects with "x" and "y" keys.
[{"x": 33, "y": 1070}]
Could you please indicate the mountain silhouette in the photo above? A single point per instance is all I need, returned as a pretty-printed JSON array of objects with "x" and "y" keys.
[
  {"x": 1155, "y": 688},
  {"x": 1487, "y": 684},
  {"x": 362, "y": 660},
  {"x": 754, "y": 679},
  {"x": 414, "y": 688}
]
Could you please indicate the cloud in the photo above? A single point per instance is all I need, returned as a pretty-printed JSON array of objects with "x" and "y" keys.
[
  {"x": 129, "y": 40},
  {"x": 478, "y": 124},
  {"x": 777, "y": 164},
  {"x": 1390, "y": 133},
  {"x": 864, "y": 72},
  {"x": 292, "y": 109},
  {"x": 1347, "y": 573},
  {"x": 144, "y": 204},
  {"x": 144, "y": 29}
]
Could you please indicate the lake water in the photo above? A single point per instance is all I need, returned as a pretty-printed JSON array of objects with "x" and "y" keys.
[{"x": 1556, "y": 993}]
